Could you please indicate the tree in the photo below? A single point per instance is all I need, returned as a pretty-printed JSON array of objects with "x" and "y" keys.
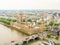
[
  {"x": 57, "y": 37},
  {"x": 51, "y": 23},
  {"x": 46, "y": 29},
  {"x": 48, "y": 35},
  {"x": 4, "y": 20},
  {"x": 14, "y": 20},
  {"x": 29, "y": 20}
]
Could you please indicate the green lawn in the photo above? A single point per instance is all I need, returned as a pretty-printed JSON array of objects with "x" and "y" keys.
[{"x": 6, "y": 21}]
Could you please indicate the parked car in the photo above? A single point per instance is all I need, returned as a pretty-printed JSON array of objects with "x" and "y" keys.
[
  {"x": 44, "y": 43},
  {"x": 51, "y": 42},
  {"x": 41, "y": 43}
]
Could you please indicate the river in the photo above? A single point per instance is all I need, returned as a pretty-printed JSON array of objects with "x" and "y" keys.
[{"x": 7, "y": 35}]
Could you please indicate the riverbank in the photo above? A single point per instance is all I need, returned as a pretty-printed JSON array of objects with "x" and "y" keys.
[
  {"x": 7, "y": 35},
  {"x": 13, "y": 28}
]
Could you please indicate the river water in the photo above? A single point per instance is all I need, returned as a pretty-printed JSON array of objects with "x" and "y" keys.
[{"x": 7, "y": 35}]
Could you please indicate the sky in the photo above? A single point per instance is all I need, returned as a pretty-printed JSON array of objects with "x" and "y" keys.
[{"x": 29, "y": 4}]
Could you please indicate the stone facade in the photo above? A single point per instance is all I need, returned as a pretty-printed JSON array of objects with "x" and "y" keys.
[{"x": 26, "y": 26}]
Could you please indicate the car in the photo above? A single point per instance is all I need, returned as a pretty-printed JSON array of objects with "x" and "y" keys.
[
  {"x": 44, "y": 43},
  {"x": 41, "y": 43},
  {"x": 51, "y": 42}
]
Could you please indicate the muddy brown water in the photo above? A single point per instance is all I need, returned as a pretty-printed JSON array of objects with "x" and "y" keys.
[{"x": 8, "y": 35}]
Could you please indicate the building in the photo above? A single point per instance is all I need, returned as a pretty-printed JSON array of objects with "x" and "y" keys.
[
  {"x": 54, "y": 31},
  {"x": 27, "y": 27}
]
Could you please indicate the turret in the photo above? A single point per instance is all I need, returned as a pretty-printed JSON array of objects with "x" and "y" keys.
[{"x": 20, "y": 17}]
